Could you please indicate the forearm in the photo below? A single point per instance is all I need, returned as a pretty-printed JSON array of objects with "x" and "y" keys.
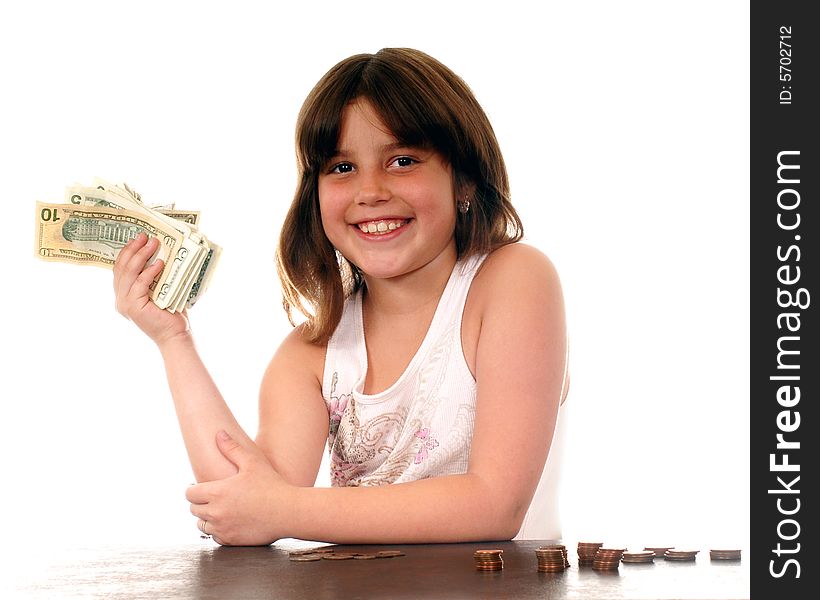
[
  {"x": 200, "y": 409},
  {"x": 453, "y": 508}
]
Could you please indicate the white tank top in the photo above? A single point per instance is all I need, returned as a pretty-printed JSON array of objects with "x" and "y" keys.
[{"x": 422, "y": 425}]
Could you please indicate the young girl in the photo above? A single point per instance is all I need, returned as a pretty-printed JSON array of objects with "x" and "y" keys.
[{"x": 432, "y": 364}]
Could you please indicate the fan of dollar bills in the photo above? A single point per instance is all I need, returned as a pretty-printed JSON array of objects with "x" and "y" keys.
[{"x": 96, "y": 222}]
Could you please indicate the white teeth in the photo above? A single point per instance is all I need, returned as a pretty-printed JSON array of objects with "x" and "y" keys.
[{"x": 380, "y": 227}]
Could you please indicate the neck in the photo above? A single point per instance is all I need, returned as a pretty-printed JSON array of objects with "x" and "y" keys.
[{"x": 410, "y": 293}]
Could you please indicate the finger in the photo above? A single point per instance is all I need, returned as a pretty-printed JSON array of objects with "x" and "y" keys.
[
  {"x": 135, "y": 264},
  {"x": 125, "y": 261},
  {"x": 206, "y": 527},
  {"x": 139, "y": 258},
  {"x": 198, "y": 494},
  {"x": 202, "y": 525},
  {"x": 138, "y": 295},
  {"x": 200, "y": 512},
  {"x": 124, "y": 255},
  {"x": 130, "y": 247},
  {"x": 144, "y": 279},
  {"x": 233, "y": 451}
]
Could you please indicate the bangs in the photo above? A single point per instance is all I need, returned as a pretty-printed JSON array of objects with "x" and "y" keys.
[{"x": 400, "y": 97}]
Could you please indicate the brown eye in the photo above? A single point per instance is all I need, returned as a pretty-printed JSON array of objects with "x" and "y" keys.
[{"x": 404, "y": 161}]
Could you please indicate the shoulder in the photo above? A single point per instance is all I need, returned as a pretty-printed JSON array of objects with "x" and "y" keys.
[
  {"x": 517, "y": 255},
  {"x": 296, "y": 357},
  {"x": 515, "y": 271}
]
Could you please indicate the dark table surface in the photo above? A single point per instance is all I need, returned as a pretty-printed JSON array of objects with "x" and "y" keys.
[{"x": 204, "y": 571}]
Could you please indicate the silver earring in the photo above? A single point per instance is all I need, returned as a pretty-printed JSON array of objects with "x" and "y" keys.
[{"x": 464, "y": 206}]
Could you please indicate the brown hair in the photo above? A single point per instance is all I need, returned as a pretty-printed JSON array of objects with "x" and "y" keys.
[{"x": 423, "y": 103}]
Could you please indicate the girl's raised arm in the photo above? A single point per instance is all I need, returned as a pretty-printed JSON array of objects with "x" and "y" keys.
[{"x": 200, "y": 408}]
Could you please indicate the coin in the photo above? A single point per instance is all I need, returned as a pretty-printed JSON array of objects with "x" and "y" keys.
[
  {"x": 561, "y": 547},
  {"x": 551, "y": 559},
  {"x": 364, "y": 556},
  {"x": 488, "y": 560},
  {"x": 389, "y": 553},
  {"x": 673, "y": 554},
  {"x": 338, "y": 556},
  {"x": 642, "y": 556},
  {"x": 724, "y": 554},
  {"x": 659, "y": 550},
  {"x": 607, "y": 559},
  {"x": 586, "y": 552},
  {"x": 306, "y": 557},
  {"x": 310, "y": 551}
]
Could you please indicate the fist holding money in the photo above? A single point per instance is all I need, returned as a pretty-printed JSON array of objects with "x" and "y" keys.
[
  {"x": 134, "y": 274},
  {"x": 97, "y": 222}
]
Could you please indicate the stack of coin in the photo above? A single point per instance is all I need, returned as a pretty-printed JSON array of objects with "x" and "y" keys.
[
  {"x": 550, "y": 559},
  {"x": 724, "y": 554},
  {"x": 562, "y": 548},
  {"x": 641, "y": 556},
  {"x": 659, "y": 550},
  {"x": 488, "y": 560},
  {"x": 607, "y": 559},
  {"x": 586, "y": 552},
  {"x": 673, "y": 554}
]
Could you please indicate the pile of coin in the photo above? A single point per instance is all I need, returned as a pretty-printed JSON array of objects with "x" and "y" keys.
[
  {"x": 586, "y": 552},
  {"x": 724, "y": 554},
  {"x": 607, "y": 559},
  {"x": 551, "y": 559},
  {"x": 563, "y": 550},
  {"x": 673, "y": 554},
  {"x": 314, "y": 554},
  {"x": 659, "y": 550},
  {"x": 488, "y": 560},
  {"x": 640, "y": 556}
]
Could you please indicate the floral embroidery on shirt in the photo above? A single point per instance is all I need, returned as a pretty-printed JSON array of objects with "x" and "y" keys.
[
  {"x": 341, "y": 471},
  {"x": 428, "y": 442}
]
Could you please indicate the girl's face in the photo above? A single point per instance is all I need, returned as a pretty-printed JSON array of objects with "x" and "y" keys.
[{"x": 389, "y": 209}]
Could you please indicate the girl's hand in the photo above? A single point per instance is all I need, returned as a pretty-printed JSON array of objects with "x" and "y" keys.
[
  {"x": 131, "y": 280},
  {"x": 251, "y": 508}
]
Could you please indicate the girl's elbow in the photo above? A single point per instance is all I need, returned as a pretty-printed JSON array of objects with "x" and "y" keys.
[{"x": 508, "y": 521}]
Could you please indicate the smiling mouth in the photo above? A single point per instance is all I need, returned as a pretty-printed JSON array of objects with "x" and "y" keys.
[{"x": 381, "y": 227}]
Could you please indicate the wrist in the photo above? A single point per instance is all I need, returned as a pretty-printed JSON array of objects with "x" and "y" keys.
[
  {"x": 295, "y": 507},
  {"x": 182, "y": 341}
]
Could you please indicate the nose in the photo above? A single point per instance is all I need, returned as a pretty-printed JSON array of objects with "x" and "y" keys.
[{"x": 373, "y": 188}]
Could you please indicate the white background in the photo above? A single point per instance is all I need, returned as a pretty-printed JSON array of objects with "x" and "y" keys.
[{"x": 625, "y": 127}]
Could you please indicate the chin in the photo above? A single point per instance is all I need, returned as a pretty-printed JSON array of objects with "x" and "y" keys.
[
  {"x": 382, "y": 268},
  {"x": 381, "y": 272}
]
